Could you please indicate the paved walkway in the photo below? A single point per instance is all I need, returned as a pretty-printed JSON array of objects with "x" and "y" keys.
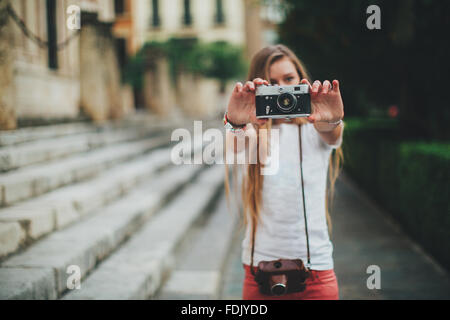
[{"x": 363, "y": 235}]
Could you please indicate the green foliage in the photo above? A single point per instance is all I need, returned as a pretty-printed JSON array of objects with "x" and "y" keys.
[
  {"x": 424, "y": 190},
  {"x": 440, "y": 150},
  {"x": 409, "y": 179},
  {"x": 405, "y": 63},
  {"x": 132, "y": 72},
  {"x": 218, "y": 60},
  {"x": 181, "y": 55}
]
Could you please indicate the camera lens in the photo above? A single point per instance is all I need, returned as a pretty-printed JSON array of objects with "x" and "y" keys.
[
  {"x": 278, "y": 284},
  {"x": 278, "y": 289},
  {"x": 286, "y": 102}
]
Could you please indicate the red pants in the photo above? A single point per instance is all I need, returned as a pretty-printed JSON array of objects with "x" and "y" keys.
[{"x": 322, "y": 285}]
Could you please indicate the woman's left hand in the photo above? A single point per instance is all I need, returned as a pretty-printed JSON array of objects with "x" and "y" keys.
[{"x": 326, "y": 102}]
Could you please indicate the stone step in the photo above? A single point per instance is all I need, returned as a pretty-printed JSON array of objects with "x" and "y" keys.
[
  {"x": 35, "y": 180},
  {"x": 201, "y": 260},
  {"x": 12, "y": 236},
  {"x": 15, "y": 137},
  {"x": 86, "y": 243},
  {"x": 23, "y": 223},
  {"x": 51, "y": 142},
  {"x": 28, "y": 153},
  {"x": 23, "y": 135},
  {"x": 136, "y": 270},
  {"x": 59, "y": 208}
]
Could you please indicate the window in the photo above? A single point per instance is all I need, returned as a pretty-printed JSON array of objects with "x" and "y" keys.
[
  {"x": 52, "y": 35},
  {"x": 219, "y": 18},
  {"x": 122, "y": 57},
  {"x": 119, "y": 7},
  {"x": 155, "y": 13},
  {"x": 187, "y": 18}
]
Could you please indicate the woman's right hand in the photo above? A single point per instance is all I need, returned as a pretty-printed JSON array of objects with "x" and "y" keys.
[{"x": 241, "y": 107}]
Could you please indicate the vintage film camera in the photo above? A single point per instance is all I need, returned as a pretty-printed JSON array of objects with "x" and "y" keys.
[
  {"x": 281, "y": 276},
  {"x": 283, "y": 101}
]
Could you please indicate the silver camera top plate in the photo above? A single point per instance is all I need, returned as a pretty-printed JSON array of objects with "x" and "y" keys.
[{"x": 277, "y": 90}]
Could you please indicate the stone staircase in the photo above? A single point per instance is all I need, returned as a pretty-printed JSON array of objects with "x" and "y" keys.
[
  {"x": 200, "y": 261},
  {"x": 108, "y": 200}
]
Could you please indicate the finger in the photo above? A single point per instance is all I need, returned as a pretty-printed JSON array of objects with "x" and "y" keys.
[
  {"x": 335, "y": 85},
  {"x": 261, "y": 121},
  {"x": 316, "y": 87},
  {"x": 326, "y": 86},
  {"x": 249, "y": 86},
  {"x": 238, "y": 87},
  {"x": 305, "y": 81},
  {"x": 259, "y": 81},
  {"x": 314, "y": 117}
]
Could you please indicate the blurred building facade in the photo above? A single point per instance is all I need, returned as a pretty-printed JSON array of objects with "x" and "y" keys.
[
  {"x": 77, "y": 72},
  {"x": 239, "y": 22},
  {"x": 48, "y": 67},
  {"x": 235, "y": 21}
]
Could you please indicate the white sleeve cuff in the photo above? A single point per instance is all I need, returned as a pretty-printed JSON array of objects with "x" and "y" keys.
[{"x": 338, "y": 143}]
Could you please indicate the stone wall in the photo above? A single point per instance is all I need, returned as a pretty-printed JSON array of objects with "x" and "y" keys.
[
  {"x": 101, "y": 97},
  {"x": 45, "y": 94},
  {"x": 7, "y": 112},
  {"x": 253, "y": 27},
  {"x": 86, "y": 81},
  {"x": 197, "y": 96},
  {"x": 159, "y": 94},
  {"x": 41, "y": 93}
]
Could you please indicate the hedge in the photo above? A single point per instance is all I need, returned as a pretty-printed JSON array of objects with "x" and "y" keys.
[{"x": 410, "y": 179}]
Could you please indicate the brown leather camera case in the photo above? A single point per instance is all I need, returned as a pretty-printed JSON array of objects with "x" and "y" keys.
[{"x": 294, "y": 270}]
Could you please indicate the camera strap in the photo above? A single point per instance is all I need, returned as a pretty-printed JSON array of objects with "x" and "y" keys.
[{"x": 308, "y": 264}]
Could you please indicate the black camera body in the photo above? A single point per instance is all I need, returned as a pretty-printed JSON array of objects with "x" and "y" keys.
[{"x": 283, "y": 101}]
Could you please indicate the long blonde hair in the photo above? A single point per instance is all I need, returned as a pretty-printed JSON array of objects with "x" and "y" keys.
[{"x": 252, "y": 182}]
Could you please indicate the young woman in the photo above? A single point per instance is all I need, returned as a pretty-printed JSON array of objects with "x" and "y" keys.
[{"x": 273, "y": 204}]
